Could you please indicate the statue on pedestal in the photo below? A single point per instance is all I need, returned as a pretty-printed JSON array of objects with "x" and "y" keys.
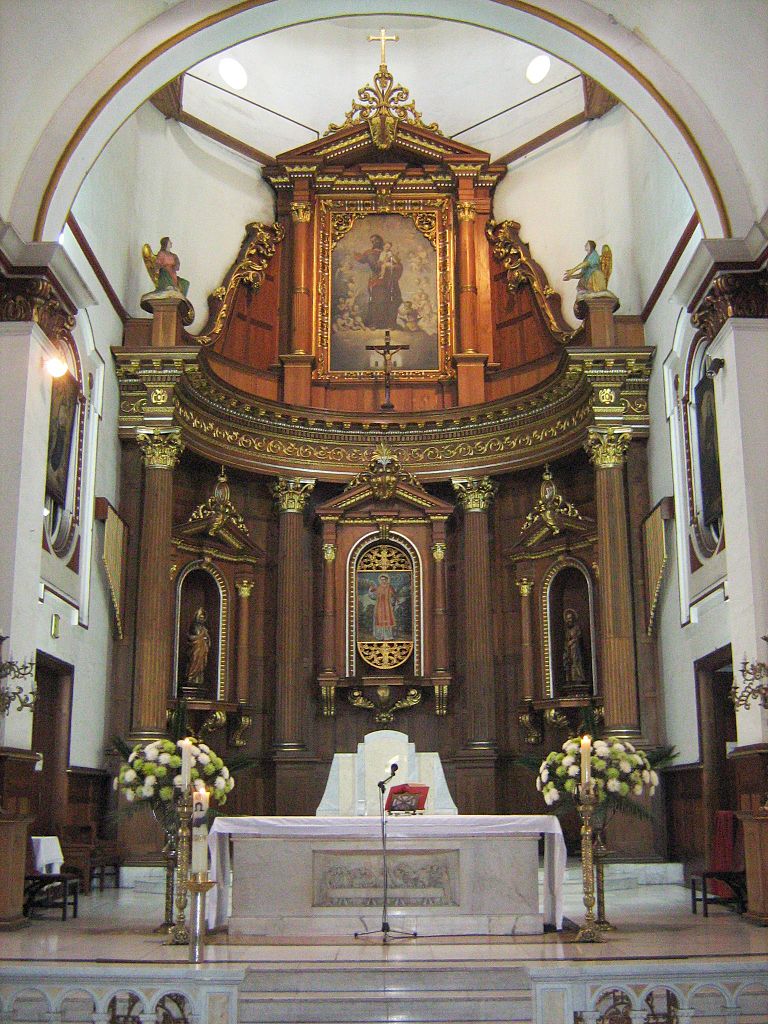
[
  {"x": 573, "y": 650},
  {"x": 198, "y": 651},
  {"x": 163, "y": 267}
]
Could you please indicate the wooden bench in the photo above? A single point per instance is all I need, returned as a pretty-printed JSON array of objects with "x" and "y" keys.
[{"x": 51, "y": 892}]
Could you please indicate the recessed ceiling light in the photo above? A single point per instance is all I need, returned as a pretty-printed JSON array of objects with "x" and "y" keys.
[
  {"x": 233, "y": 73},
  {"x": 538, "y": 69}
]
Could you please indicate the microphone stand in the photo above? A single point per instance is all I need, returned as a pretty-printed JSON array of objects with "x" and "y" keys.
[{"x": 387, "y": 933}]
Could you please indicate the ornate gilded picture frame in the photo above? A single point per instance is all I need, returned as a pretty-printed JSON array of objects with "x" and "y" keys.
[{"x": 382, "y": 271}]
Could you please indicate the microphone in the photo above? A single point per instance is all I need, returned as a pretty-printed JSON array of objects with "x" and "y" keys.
[
  {"x": 393, "y": 767},
  {"x": 392, "y": 772}
]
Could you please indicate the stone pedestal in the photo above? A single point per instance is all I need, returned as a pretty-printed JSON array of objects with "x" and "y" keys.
[
  {"x": 13, "y": 843},
  {"x": 598, "y": 310},
  {"x": 170, "y": 311}
]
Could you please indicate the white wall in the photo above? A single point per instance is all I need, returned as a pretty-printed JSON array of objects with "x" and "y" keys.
[
  {"x": 607, "y": 180},
  {"x": 157, "y": 177}
]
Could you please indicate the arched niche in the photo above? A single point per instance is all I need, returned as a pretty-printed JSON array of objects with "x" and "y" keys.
[
  {"x": 201, "y": 586},
  {"x": 568, "y": 617},
  {"x": 398, "y": 561}
]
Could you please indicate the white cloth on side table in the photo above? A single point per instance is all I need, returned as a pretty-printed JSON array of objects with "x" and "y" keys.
[
  {"x": 47, "y": 853},
  {"x": 406, "y": 827}
]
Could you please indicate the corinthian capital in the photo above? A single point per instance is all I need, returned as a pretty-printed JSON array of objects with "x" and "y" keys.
[
  {"x": 301, "y": 213},
  {"x": 607, "y": 448},
  {"x": 160, "y": 450},
  {"x": 292, "y": 494},
  {"x": 475, "y": 494}
]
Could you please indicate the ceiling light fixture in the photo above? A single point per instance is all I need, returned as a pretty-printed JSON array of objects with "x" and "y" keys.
[
  {"x": 538, "y": 69},
  {"x": 233, "y": 73}
]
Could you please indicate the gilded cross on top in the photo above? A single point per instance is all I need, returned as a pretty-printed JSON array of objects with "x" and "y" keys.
[{"x": 383, "y": 38}]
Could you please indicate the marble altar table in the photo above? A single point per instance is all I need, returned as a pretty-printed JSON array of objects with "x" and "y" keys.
[{"x": 448, "y": 875}]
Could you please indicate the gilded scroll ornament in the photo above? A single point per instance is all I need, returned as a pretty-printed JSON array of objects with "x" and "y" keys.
[
  {"x": 33, "y": 299},
  {"x": 384, "y": 558},
  {"x": 383, "y": 107},
  {"x": 218, "y": 513},
  {"x": 732, "y": 295},
  {"x": 466, "y": 211},
  {"x": 384, "y": 707},
  {"x": 475, "y": 494},
  {"x": 259, "y": 247},
  {"x": 385, "y": 655},
  {"x": 550, "y": 516},
  {"x": 329, "y": 552},
  {"x": 607, "y": 448},
  {"x": 160, "y": 450},
  {"x": 438, "y": 551},
  {"x": 292, "y": 494},
  {"x": 529, "y": 722},
  {"x": 514, "y": 255},
  {"x": 383, "y": 474},
  {"x": 525, "y": 585}
]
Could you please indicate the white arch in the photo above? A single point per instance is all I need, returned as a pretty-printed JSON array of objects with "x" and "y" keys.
[{"x": 571, "y": 29}]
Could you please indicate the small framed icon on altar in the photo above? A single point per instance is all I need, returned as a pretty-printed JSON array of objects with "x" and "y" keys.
[{"x": 407, "y": 798}]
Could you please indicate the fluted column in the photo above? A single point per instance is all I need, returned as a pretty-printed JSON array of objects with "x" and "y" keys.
[
  {"x": 244, "y": 589},
  {"x": 465, "y": 211},
  {"x": 607, "y": 449},
  {"x": 291, "y": 496},
  {"x": 475, "y": 497},
  {"x": 525, "y": 586},
  {"x": 154, "y": 641},
  {"x": 439, "y": 626}
]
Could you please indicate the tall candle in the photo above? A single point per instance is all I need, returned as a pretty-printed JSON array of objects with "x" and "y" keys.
[
  {"x": 200, "y": 799},
  {"x": 586, "y": 762},
  {"x": 186, "y": 764}
]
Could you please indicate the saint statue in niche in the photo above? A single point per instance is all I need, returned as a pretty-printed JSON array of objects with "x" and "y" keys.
[
  {"x": 573, "y": 650},
  {"x": 198, "y": 650}
]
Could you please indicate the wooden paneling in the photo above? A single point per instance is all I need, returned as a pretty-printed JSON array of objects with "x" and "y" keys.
[
  {"x": 18, "y": 788},
  {"x": 685, "y": 816}
]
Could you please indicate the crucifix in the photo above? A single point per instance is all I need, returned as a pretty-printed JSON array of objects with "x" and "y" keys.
[
  {"x": 386, "y": 351},
  {"x": 383, "y": 38}
]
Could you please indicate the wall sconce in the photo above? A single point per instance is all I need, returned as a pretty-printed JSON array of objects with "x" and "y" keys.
[
  {"x": 14, "y": 670},
  {"x": 754, "y": 685},
  {"x": 713, "y": 367}
]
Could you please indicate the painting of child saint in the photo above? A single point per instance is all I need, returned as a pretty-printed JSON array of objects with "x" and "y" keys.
[
  {"x": 384, "y": 606},
  {"x": 384, "y": 277}
]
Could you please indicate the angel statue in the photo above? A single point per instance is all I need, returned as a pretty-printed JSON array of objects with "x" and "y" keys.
[
  {"x": 593, "y": 271},
  {"x": 163, "y": 267}
]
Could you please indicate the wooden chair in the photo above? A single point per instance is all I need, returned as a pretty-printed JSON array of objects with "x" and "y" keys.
[
  {"x": 726, "y": 881},
  {"x": 50, "y": 885}
]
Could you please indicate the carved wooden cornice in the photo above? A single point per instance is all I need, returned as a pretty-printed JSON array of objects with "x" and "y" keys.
[
  {"x": 217, "y": 519},
  {"x": 732, "y": 295},
  {"x": 36, "y": 300},
  {"x": 515, "y": 256},
  {"x": 550, "y": 517},
  {"x": 249, "y": 269}
]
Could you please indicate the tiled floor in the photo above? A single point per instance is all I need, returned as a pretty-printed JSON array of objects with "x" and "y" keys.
[{"x": 653, "y": 921}]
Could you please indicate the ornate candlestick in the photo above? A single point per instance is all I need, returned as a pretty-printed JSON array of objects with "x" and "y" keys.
[
  {"x": 586, "y": 804},
  {"x": 180, "y": 935},
  {"x": 199, "y": 885},
  {"x": 602, "y": 923}
]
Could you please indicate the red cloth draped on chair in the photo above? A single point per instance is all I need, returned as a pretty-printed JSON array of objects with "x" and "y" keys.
[{"x": 727, "y": 851}]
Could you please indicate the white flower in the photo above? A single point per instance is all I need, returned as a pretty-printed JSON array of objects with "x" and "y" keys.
[
  {"x": 220, "y": 783},
  {"x": 646, "y": 776},
  {"x": 538, "y": 784},
  {"x": 194, "y": 750},
  {"x": 132, "y": 757},
  {"x": 638, "y": 789},
  {"x": 625, "y": 766},
  {"x": 130, "y": 796},
  {"x": 198, "y": 785},
  {"x": 205, "y": 748},
  {"x": 115, "y": 783},
  {"x": 568, "y": 760},
  {"x": 574, "y": 770},
  {"x": 150, "y": 780},
  {"x": 654, "y": 778},
  {"x": 544, "y": 774},
  {"x": 150, "y": 754},
  {"x": 651, "y": 791},
  {"x": 618, "y": 748},
  {"x": 600, "y": 746},
  {"x": 130, "y": 776},
  {"x": 203, "y": 758},
  {"x": 224, "y": 772},
  {"x": 165, "y": 759},
  {"x": 148, "y": 791},
  {"x": 177, "y": 781},
  {"x": 613, "y": 785},
  {"x": 630, "y": 748}
]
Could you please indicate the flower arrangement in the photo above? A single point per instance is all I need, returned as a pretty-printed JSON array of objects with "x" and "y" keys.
[
  {"x": 619, "y": 771},
  {"x": 153, "y": 772}
]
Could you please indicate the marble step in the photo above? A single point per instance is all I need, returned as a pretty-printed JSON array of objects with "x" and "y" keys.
[{"x": 359, "y": 993}]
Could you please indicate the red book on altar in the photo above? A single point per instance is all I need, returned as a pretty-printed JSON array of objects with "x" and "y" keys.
[{"x": 407, "y": 798}]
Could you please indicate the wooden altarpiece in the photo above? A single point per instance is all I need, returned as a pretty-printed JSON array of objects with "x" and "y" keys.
[
  {"x": 216, "y": 569},
  {"x": 384, "y": 548}
]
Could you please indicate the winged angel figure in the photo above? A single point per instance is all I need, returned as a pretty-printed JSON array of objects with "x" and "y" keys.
[
  {"x": 163, "y": 267},
  {"x": 594, "y": 270}
]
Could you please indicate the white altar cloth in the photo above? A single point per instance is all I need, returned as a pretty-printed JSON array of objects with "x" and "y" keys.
[{"x": 401, "y": 827}]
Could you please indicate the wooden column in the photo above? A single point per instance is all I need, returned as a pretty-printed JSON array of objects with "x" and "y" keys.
[
  {"x": 470, "y": 364},
  {"x": 525, "y": 586},
  {"x": 291, "y": 496},
  {"x": 475, "y": 497},
  {"x": 328, "y": 675},
  {"x": 154, "y": 641},
  {"x": 244, "y": 589},
  {"x": 439, "y": 624},
  {"x": 607, "y": 449},
  {"x": 297, "y": 364}
]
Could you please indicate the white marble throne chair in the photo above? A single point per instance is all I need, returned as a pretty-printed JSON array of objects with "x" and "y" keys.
[{"x": 352, "y": 787}]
